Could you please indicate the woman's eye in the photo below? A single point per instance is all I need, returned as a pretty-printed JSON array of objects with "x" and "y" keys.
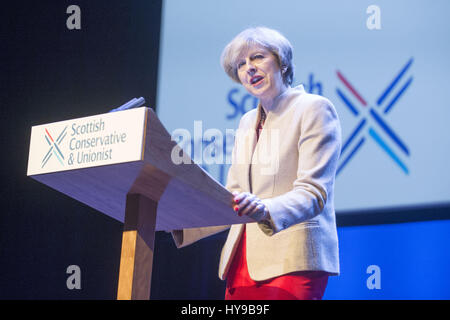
[
  {"x": 258, "y": 56},
  {"x": 240, "y": 64}
]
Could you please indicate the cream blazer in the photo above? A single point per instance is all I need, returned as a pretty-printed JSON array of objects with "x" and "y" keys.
[{"x": 292, "y": 169}]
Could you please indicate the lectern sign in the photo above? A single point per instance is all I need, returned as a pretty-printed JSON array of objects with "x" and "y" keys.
[{"x": 98, "y": 140}]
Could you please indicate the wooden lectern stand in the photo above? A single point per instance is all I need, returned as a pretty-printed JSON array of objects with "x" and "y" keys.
[{"x": 122, "y": 164}]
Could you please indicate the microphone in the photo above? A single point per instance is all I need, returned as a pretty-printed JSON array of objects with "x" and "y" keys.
[{"x": 133, "y": 103}]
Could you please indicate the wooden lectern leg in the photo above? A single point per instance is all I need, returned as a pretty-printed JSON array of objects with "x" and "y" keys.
[{"x": 136, "y": 259}]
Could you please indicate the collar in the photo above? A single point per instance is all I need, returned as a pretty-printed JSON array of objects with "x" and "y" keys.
[{"x": 282, "y": 101}]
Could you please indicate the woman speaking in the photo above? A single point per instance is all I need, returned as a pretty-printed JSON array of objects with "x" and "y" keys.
[{"x": 282, "y": 176}]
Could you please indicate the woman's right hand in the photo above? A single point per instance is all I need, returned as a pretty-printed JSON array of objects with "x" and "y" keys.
[{"x": 248, "y": 204}]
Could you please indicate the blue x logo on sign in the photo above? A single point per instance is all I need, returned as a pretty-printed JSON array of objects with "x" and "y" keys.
[
  {"x": 54, "y": 147},
  {"x": 377, "y": 114}
]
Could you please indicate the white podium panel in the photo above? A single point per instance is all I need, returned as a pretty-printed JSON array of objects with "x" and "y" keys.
[{"x": 103, "y": 139}]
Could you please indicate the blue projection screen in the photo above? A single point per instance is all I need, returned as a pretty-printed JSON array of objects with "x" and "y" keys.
[{"x": 384, "y": 65}]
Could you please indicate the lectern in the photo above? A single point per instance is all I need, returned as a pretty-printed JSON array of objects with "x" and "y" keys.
[{"x": 125, "y": 165}]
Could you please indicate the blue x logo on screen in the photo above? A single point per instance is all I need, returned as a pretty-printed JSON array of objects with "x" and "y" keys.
[{"x": 363, "y": 111}]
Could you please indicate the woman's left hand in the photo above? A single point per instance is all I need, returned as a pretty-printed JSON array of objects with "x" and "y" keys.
[{"x": 250, "y": 205}]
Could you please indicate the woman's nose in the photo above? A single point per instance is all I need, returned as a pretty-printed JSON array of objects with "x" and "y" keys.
[{"x": 251, "y": 69}]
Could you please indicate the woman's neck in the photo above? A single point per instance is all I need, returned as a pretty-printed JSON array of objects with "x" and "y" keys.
[{"x": 270, "y": 103}]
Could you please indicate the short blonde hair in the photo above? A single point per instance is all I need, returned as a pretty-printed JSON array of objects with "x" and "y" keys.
[{"x": 269, "y": 39}]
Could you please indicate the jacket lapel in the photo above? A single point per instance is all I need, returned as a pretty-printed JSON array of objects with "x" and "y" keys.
[{"x": 252, "y": 143}]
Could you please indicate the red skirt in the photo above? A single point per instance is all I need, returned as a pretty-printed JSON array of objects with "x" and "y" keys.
[{"x": 302, "y": 285}]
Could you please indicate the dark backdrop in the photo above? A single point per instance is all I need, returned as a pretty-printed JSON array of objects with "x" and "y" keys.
[{"x": 50, "y": 73}]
